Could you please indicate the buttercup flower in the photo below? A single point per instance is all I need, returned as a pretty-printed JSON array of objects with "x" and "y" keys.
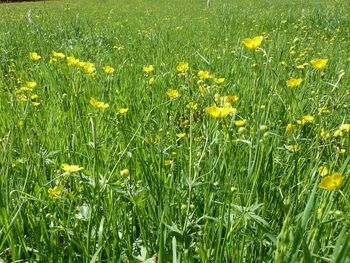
[
  {"x": 306, "y": 119},
  {"x": 180, "y": 135},
  {"x": 54, "y": 192},
  {"x": 220, "y": 112},
  {"x": 319, "y": 63},
  {"x": 345, "y": 127},
  {"x": 89, "y": 68},
  {"x": 202, "y": 75},
  {"x": 331, "y": 182},
  {"x": 23, "y": 89},
  {"x": 22, "y": 98},
  {"x": 98, "y": 104},
  {"x": 148, "y": 69},
  {"x": 71, "y": 168},
  {"x": 292, "y": 83},
  {"x": 168, "y": 162},
  {"x": 231, "y": 98},
  {"x": 34, "y": 56},
  {"x": 35, "y": 104},
  {"x": 182, "y": 67},
  {"x": 150, "y": 81},
  {"x": 57, "y": 55},
  {"x": 173, "y": 94},
  {"x": 290, "y": 128},
  {"x": 219, "y": 81},
  {"x": 240, "y": 123},
  {"x": 31, "y": 84},
  {"x": 322, "y": 170},
  {"x": 125, "y": 172},
  {"x": 72, "y": 60},
  {"x": 123, "y": 110},
  {"x": 325, "y": 134},
  {"x": 253, "y": 43},
  {"x": 108, "y": 69}
]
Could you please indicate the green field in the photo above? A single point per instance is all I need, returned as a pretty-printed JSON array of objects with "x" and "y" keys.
[{"x": 157, "y": 131}]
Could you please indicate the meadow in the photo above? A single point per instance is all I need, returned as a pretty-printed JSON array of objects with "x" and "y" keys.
[{"x": 167, "y": 131}]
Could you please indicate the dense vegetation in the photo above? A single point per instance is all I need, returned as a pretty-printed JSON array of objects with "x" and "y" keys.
[{"x": 137, "y": 131}]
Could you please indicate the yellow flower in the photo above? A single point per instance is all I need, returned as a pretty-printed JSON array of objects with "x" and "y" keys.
[
  {"x": 292, "y": 83},
  {"x": 253, "y": 43},
  {"x": 22, "y": 98},
  {"x": 319, "y": 63},
  {"x": 232, "y": 98},
  {"x": 148, "y": 69},
  {"x": 89, "y": 68},
  {"x": 108, "y": 69},
  {"x": 98, "y": 104},
  {"x": 72, "y": 61},
  {"x": 202, "y": 75},
  {"x": 123, "y": 110},
  {"x": 58, "y": 55},
  {"x": 150, "y": 81},
  {"x": 240, "y": 123},
  {"x": 54, "y": 192},
  {"x": 306, "y": 119},
  {"x": 290, "y": 128},
  {"x": 31, "y": 84},
  {"x": 173, "y": 94},
  {"x": 294, "y": 148},
  {"x": 219, "y": 81},
  {"x": 71, "y": 168},
  {"x": 220, "y": 112},
  {"x": 325, "y": 134},
  {"x": 34, "y": 56},
  {"x": 168, "y": 162},
  {"x": 322, "y": 170},
  {"x": 23, "y": 89},
  {"x": 182, "y": 67},
  {"x": 331, "y": 182},
  {"x": 80, "y": 64},
  {"x": 125, "y": 172},
  {"x": 180, "y": 135},
  {"x": 345, "y": 127},
  {"x": 35, "y": 104}
]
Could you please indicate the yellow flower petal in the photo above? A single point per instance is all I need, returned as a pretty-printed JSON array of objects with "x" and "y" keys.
[
  {"x": 71, "y": 168},
  {"x": 253, "y": 43},
  {"x": 319, "y": 63},
  {"x": 331, "y": 182}
]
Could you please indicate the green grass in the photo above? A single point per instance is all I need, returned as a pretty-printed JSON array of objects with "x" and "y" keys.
[{"x": 230, "y": 194}]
